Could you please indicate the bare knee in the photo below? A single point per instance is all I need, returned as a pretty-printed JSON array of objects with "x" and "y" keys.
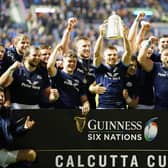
[{"x": 26, "y": 155}]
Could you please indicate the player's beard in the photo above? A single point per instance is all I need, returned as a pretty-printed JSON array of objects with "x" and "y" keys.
[{"x": 33, "y": 65}]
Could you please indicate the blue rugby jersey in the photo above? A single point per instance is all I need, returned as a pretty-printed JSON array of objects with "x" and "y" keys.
[
  {"x": 146, "y": 94},
  {"x": 160, "y": 86},
  {"x": 44, "y": 101},
  {"x": 10, "y": 57},
  {"x": 4, "y": 64},
  {"x": 13, "y": 55},
  {"x": 132, "y": 85},
  {"x": 9, "y": 128},
  {"x": 113, "y": 79},
  {"x": 70, "y": 88},
  {"x": 155, "y": 57},
  {"x": 85, "y": 72},
  {"x": 28, "y": 87}
]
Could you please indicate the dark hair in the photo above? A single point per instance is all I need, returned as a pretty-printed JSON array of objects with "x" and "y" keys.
[
  {"x": 28, "y": 51},
  {"x": 111, "y": 47},
  {"x": 164, "y": 36},
  {"x": 71, "y": 54},
  {"x": 134, "y": 58}
]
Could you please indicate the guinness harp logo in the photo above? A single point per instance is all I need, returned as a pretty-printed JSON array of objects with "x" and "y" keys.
[{"x": 80, "y": 123}]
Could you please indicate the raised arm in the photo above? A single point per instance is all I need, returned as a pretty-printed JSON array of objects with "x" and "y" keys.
[
  {"x": 66, "y": 35},
  {"x": 126, "y": 57},
  {"x": 51, "y": 67},
  {"x": 97, "y": 58},
  {"x": 133, "y": 32},
  {"x": 144, "y": 51},
  {"x": 7, "y": 77},
  {"x": 145, "y": 26}
]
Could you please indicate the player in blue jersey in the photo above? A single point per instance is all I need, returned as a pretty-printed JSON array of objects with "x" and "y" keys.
[
  {"x": 45, "y": 52},
  {"x": 84, "y": 69},
  {"x": 4, "y": 61},
  {"x": 20, "y": 44},
  {"x": 146, "y": 91},
  {"x": 15, "y": 53},
  {"x": 70, "y": 87},
  {"x": 163, "y": 43},
  {"x": 131, "y": 89},
  {"x": 28, "y": 82},
  {"x": 8, "y": 129},
  {"x": 145, "y": 78},
  {"x": 159, "y": 70},
  {"x": 110, "y": 71}
]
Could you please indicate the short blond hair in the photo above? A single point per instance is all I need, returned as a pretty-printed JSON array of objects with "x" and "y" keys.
[{"x": 20, "y": 37}]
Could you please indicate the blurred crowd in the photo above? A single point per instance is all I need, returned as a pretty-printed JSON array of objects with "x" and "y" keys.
[{"x": 47, "y": 28}]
